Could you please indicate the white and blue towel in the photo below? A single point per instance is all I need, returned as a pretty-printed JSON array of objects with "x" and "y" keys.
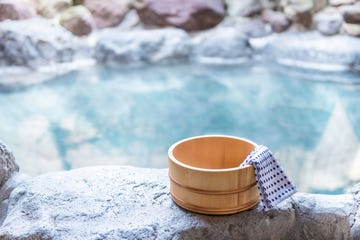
[{"x": 272, "y": 182}]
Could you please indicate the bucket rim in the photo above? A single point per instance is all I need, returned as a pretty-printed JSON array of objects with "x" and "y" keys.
[{"x": 172, "y": 158}]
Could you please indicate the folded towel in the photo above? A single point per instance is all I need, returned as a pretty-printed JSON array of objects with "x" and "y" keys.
[{"x": 272, "y": 182}]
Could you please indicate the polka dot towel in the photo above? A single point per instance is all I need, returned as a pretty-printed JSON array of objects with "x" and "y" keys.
[{"x": 272, "y": 182}]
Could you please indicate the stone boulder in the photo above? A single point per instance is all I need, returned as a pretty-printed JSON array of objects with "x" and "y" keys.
[
  {"x": 189, "y": 15},
  {"x": 8, "y": 165},
  {"x": 132, "y": 203},
  {"x": 35, "y": 42},
  {"x": 221, "y": 45},
  {"x": 328, "y": 22},
  {"x": 51, "y": 8},
  {"x": 106, "y": 13},
  {"x": 131, "y": 21},
  {"x": 250, "y": 27},
  {"x": 318, "y": 5},
  {"x": 5, "y": 191},
  {"x": 337, "y": 3},
  {"x": 314, "y": 51},
  {"x": 351, "y": 13},
  {"x": 16, "y": 9},
  {"x": 77, "y": 20},
  {"x": 244, "y": 8},
  {"x": 278, "y": 21},
  {"x": 142, "y": 46},
  {"x": 352, "y": 29},
  {"x": 355, "y": 230},
  {"x": 300, "y": 14}
]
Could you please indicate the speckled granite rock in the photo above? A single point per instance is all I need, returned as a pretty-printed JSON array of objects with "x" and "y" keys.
[{"x": 134, "y": 203}]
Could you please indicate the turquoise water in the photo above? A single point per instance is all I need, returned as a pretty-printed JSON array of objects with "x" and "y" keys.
[{"x": 131, "y": 116}]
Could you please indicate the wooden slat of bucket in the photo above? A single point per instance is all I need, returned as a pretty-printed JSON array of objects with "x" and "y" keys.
[
  {"x": 206, "y": 177},
  {"x": 212, "y": 181},
  {"x": 217, "y": 211},
  {"x": 211, "y": 192},
  {"x": 214, "y": 203}
]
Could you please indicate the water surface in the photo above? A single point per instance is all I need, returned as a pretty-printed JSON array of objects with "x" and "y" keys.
[{"x": 130, "y": 116}]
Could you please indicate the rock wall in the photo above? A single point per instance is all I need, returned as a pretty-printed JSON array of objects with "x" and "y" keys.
[
  {"x": 37, "y": 43},
  {"x": 133, "y": 203},
  {"x": 327, "y": 17},
  {"x": 162, "y": 31}
]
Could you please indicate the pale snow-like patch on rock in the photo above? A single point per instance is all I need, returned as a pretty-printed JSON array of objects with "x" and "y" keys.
[{"x": 133, "y": 203}]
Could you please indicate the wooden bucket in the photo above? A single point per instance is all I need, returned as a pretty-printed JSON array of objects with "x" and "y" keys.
[{"x": 205, "y": 176}]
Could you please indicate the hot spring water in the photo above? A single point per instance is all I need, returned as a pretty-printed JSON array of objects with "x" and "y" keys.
[{"x": 130, "y": 116}]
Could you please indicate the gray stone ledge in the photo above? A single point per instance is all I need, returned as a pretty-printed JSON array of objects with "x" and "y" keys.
[
  {"x": 116, "y": 202},
  {"x": 25, "y": 44},
  {"x": 312, "y": 50}
]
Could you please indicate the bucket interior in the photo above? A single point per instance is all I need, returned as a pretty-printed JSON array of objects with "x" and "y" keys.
[{"x": 213, "y": 152}]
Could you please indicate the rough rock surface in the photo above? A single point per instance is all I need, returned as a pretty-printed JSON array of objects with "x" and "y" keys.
[
  {"x": 278, "y": 21},
  {"x": 351, "y": 13},
  {"x": 252, "y": 28},
  {"x": 106, "y": 13},
  {"x": 5, "y": 192},
  {"x": 186, "y": 14},
  {"x": 337, "y": 3},
  {"x": 355, "y": 230},
  {"x": 328, "y": 22},
  {"x": 244, "y": 8},
  {"x": 35, "y": 42},
  {"x": 300, "y": 14},
  {"x": 223, "y": 44},
  {"x": 308, "y": 50},
  {"x": 15, "y": 10},
  {"x": 7, "y": 164},
  {"x": 318, "y": 5},
  {"x": 352, "y": 29},
  {"x": 141, "y": 46},
  {"x": 50, "y": 8},
  {"x": 132, "y": 203},
  {"x": 77, "y": 20}
]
